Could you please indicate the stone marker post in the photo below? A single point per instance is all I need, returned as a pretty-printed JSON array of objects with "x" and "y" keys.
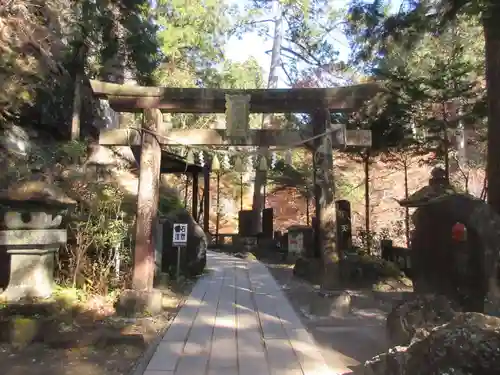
[{"x": 344, "y": 226}]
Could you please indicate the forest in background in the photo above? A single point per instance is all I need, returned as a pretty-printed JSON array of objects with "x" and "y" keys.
[{"x": 435, "y": 111}]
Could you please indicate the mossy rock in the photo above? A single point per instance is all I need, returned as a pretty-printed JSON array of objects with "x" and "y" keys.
[
  {"x": 392, "y": 284},
  {"x": 27, "y": 309},
  {"x": 308, "y": 269},
  {"x": 23, "y": 331},
  {"x": 418, "y": 315},
  {"x": 468, "y": 344},
  {"x": 66, "y": 299}
]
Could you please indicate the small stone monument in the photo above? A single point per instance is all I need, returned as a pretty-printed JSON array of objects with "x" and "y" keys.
[
  {"x": 30, "y": 218},
  {"x": 344, "y": 226}
]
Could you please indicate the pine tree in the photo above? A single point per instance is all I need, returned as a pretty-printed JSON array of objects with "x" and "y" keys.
[{"x": 425, "y": 16}]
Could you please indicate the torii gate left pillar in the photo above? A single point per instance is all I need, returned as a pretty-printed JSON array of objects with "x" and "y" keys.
[{"x": 147, "y": 202}]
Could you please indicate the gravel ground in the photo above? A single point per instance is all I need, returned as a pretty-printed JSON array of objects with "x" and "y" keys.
[{"x": 347, "y": 340}]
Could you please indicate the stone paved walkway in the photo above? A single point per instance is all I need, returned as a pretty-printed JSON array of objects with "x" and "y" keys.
[{"x": 237, "y": 321}]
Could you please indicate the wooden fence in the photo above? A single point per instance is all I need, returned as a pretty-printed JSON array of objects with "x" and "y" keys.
[{"x": 397, "y": 255}]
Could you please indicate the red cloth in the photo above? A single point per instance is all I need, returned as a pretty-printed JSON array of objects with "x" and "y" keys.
[{"x": 459, "y": 232}]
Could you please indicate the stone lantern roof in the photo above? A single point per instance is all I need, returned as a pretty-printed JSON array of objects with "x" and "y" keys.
[
  {"x": 40, "y": 193},
  {"x": 438, "y": 189}
]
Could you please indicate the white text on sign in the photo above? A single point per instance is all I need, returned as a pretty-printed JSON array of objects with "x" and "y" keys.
[{"x": 179, "y": 235}]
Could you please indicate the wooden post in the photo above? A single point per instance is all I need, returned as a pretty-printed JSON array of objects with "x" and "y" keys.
[
  {"x": 186, "y": 187},
  {"x": 387, "y": 250},
  {"x": 158, "y": 245},
  {"x": 206, "y": 198},
  {"x": 241, "y": 191},
  {"x": 194, "y": 201},
  {"x": 324, "y": 192},
  {"x": 147, "y": 203},
  {"x": 217, "y": 220},
  {"x": 317, "y": 209}
]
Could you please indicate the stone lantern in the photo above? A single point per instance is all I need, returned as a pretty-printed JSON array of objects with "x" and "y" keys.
[
  {"x": 31, "y": 214},
  {"x": 455, "y": 246}
]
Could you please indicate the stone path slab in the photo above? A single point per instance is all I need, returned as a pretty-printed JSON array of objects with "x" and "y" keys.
[{"x": 237, "y": 321}]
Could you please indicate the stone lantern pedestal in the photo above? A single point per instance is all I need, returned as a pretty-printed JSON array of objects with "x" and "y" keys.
[{"x": 30, "y": 217}]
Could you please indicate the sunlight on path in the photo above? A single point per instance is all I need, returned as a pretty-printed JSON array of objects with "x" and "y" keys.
[{"x": 237, "y": 321}]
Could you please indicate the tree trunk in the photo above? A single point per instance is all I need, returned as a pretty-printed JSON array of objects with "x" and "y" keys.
[
  {"x": 491, "y": 24},
  {"x": 308, "y": 214},
  {"x": 79, "y": 61},
  {"x": 445, "y": 144},
  {"x": 113, "y": 69},
  {"x": 77, "y": 108},
  {"x": 407, "y": 210},
  {"x": 261, "y": 176}
]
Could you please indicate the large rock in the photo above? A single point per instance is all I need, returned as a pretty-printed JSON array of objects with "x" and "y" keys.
[
  {"x": 194, "y": 256},
  {"x": 415, "y": 317},
  {"x": 468, "y": 345}
]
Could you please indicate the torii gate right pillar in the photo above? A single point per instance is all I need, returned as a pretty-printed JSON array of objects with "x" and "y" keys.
[{"x": 324, "y": 193}]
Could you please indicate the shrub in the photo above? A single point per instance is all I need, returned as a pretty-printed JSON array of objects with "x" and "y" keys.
[{"x": 97, "y": 257}]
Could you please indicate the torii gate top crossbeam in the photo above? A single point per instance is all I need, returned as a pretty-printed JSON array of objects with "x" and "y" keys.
[{"x": 131, "y": 98}]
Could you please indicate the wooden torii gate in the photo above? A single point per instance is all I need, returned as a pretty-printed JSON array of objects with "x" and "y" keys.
[{"x": 152, "y": 101}]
